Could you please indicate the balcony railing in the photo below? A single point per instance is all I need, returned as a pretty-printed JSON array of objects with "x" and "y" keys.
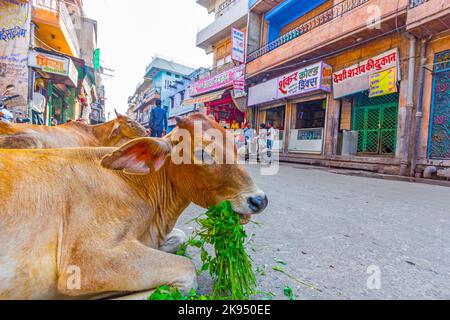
[
  {"x": 50, "y": 5},
  {"x": 324, "y": 17},
  {"x": 416, "y": 3},
  {"x": 219, "y": 69},
  {"x": 149, "y": 96},
  {"x": 224, "y": 7}
]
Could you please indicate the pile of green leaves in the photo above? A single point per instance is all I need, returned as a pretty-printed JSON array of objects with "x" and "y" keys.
[
  {"x": 230, "y": 267},
  {"x": 172, "y": 293}
]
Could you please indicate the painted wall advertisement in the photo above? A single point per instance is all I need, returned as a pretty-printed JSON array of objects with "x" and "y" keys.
[
  {"x": 15, "y": 22},
  {"x": 220, "y": 81},
  {"x": 311, "y": 78},
  {"x": 238, "y": 45},
  {"x": 357, "y": 78}
]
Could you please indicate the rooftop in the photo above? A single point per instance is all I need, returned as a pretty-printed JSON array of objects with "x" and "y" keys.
[{"x": 159, "y": 64}]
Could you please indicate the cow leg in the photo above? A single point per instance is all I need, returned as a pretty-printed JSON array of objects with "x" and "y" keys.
[
  {"x": 173, "y": 241},
  {"x": 130, "y": 267}
]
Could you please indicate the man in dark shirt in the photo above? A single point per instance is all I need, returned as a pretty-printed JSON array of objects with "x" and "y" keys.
[{"x": 158, "y": 120}]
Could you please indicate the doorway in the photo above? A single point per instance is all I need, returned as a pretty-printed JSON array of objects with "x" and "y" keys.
[{"x": 375, "y": 120}]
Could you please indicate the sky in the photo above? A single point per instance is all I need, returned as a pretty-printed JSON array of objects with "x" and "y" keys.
[{"x": 131, "y": 32}]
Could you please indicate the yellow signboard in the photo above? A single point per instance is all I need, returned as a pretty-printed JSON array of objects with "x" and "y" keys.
[{"x": 383, "y": 82}]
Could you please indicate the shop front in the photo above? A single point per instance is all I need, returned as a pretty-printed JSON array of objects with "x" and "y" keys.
[
  {"x": 296, "y": 105},
  {"x": 277, "y": 116},
  {"x": 369, "y": 96},
  {"x": 55, "y": 78},
  {"x": 216, "y": 96}
]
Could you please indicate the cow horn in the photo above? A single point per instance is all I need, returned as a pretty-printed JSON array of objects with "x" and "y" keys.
[
  {"x": 117, "y": 114},
  {"x": 179, "y": 120}
]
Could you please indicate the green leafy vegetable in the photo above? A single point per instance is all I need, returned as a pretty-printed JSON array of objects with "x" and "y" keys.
[
  {"x": 231, "y": 267},
  {"x": 171, "y": 293}
]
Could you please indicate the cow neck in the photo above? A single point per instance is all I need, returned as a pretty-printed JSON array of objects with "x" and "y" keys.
[
  {"x": 165, "y": 205},
  {"x": 102, "y": 132}
]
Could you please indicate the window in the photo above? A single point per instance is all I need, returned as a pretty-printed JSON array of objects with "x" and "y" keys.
[
  {"x": 169, "y": 73},
  {"x": 310, "y": 115},
  {"x": 182, "y": 95},
  {"x": 167, "y": 84},
  {"x": 172, "y": 102}
]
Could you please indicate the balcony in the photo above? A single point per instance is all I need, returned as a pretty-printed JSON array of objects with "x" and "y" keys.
[
  {"x": 344, "y": 24},
  {"x": 144, "y": 119},
  {"x": 428, "y": 17},
  {"x": 55, "y": 27},
  {"x": 233, "y": 13},
  {"x": 149, "y": 98},
  {"x": 219, "y": 69}
]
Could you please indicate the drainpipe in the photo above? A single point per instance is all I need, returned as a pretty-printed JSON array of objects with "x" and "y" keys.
[
  {"x": 419, "y": 112},
  {"x": 409, "y": 101}
]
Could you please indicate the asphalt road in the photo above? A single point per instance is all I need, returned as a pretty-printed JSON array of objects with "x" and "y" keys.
[{"x": 330, "y": 230}]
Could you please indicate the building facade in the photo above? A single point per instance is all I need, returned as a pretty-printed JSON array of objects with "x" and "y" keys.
[
  {"x": 161, "y": 76},
  {"x": 180, "y": 103},
  {"x": 355, "y": 84},
  {"x": 221, "y": 91},
  {"x": 47, "y": 49}
]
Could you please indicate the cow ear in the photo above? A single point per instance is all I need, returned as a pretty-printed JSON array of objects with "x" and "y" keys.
[{"x": 138, "y": 156}]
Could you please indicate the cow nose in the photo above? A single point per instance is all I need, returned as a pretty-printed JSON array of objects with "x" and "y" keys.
[{"x": 258, "y": 203}]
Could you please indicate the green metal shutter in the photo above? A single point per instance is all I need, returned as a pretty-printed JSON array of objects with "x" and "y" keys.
[{"x": 375, "y": 120}]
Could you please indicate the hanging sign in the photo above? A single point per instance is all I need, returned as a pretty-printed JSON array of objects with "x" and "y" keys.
[
  {"x": 96, "y": 59},
  {"x": 383, "y": 83},
  {"x": 238, "y": 45}
]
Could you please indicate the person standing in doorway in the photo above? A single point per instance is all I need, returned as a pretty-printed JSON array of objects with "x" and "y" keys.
[
  {"x": 38, "y": 105},
  {"x": 158, "y": 121}
]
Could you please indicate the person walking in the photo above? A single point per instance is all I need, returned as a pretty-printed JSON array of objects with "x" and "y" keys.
[
  {"x": 249, "y": 136},
  {"x": 158, "y": 121},
  {"x": 271, "y": 136},
  {"x": 262, "y": 141}
]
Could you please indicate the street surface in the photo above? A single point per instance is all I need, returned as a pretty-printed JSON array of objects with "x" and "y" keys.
[{"x": 329, "y": 229}]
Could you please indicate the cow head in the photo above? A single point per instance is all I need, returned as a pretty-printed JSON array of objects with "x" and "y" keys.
[
  {"x": 126, "y": 127},
  {"x": 200, "y": 171}
]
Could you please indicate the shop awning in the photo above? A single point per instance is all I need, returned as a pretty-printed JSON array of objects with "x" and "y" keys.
[{"x": 204, "y": 98}]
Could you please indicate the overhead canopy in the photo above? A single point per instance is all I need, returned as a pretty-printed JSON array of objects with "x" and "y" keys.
[{"x": 205, "y": 98}]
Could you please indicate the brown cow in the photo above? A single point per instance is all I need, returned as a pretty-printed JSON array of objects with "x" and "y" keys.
[
  {"x": 72, "y": 228},
  {"x": 73, "y": 134}
]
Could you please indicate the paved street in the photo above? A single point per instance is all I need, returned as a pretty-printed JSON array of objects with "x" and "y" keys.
[{"x": 330, "y": 228}]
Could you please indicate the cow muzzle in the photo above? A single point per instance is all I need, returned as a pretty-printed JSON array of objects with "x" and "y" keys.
[
  {"x": 252, "y": 204},
  {"x": 257, "y": 203}
]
